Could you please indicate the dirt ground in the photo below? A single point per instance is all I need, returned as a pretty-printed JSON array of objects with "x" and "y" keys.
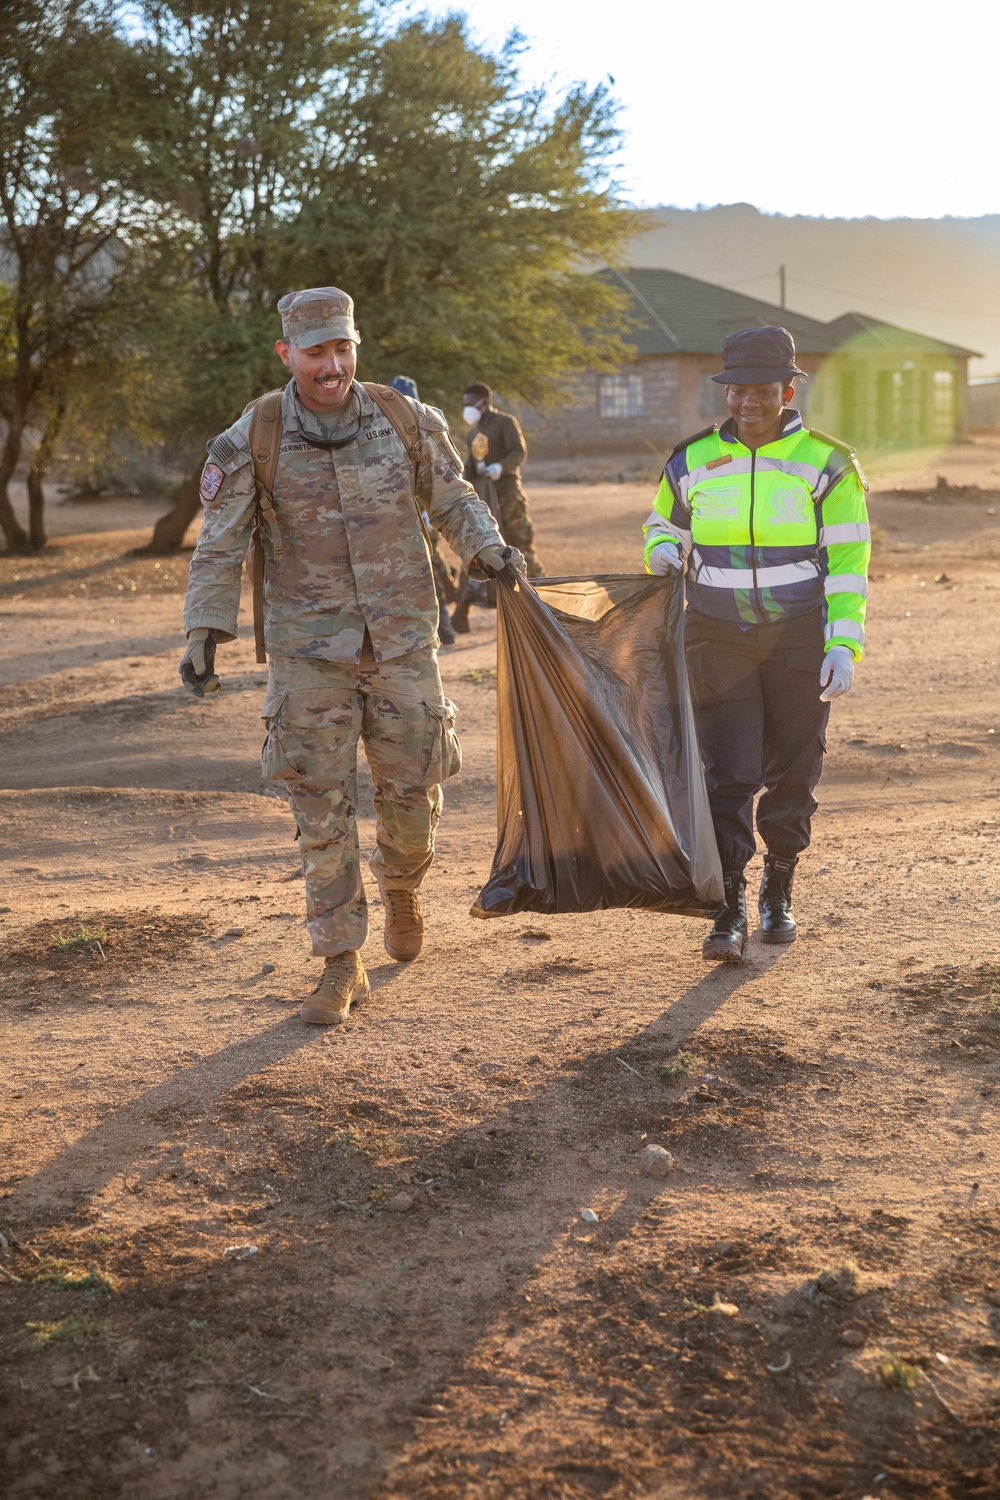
[{"x": 246, "y": 1258}]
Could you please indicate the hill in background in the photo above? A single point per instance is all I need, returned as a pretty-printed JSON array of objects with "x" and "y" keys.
[{"x": 937, "y": 276}]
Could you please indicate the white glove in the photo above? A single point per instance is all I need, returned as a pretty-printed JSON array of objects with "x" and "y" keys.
[
  {"x": 495, "y": 559},
  {"x": 493, "y": 471},
  {"x": 836, "y": 675},
  {"x": 664, "y": 558}
]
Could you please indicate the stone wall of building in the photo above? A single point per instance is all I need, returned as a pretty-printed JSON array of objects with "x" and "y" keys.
[
  {"x": 677, "y": 397},
  {"x": 624, "y": 413}
]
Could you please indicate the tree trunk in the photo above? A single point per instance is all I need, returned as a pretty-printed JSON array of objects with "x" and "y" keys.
[
  {"x": 41, "y": 461},
  {"x": 17, "y": 537},
  {"x": 36, "y": 509},
  {"x": 168, "y": 533}
]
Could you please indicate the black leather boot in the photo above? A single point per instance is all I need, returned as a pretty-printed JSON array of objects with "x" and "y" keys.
[
  {"x": 728, "y": 936},
  {"x": 460, "y": 617},
  {"x": 777, "y": 923}
]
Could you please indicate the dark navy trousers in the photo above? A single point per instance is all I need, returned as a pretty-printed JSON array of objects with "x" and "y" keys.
[{"x": 761, "y": 726}]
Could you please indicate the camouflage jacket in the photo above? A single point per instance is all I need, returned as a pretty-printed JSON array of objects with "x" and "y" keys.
[{"x": 353, "y": 554}]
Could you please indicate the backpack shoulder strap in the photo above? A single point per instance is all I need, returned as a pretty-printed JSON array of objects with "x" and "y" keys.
[
  {"x": 265, "y": 439},
  {"x": 265, "y": 449},
  {"x": 400, "y": 413},
  {"x": 397, "y": 409}
]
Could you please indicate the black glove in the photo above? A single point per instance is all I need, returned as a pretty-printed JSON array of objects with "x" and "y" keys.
[{"x": 197, "y": 667}]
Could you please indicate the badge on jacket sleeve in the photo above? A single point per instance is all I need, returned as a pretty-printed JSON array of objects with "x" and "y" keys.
[{"x": 211, "y": 479}]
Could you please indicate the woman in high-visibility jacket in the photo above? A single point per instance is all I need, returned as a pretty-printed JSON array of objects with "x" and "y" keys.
[{"x": 768, "y": 520}]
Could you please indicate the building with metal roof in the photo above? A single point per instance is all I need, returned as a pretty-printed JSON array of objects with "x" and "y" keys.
[{"x": 872, "y": 383}]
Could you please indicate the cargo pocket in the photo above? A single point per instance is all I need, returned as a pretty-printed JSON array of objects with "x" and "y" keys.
[
  {"x": 275, "y": 763},
  {"x": 442, "y": 756},
  {"x": 311, "y": 737},
  {"x": 718, "y": 675}
]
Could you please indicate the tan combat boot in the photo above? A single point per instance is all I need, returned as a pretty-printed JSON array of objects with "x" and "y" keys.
[
  {"x": 404, "y": 925},
  {"x": 344, "y": 981}
]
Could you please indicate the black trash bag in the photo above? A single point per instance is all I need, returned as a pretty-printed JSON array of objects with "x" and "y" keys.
[{"x": 601, "y": 797}]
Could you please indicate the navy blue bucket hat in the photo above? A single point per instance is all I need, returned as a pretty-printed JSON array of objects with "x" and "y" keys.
[
  {"x": 756, "y": 356},
  {"x": 405, "y": 386}
]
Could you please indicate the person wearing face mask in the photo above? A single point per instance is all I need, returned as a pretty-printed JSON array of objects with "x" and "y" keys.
[
  {"x": 349, "y": 621},
  {"x": 496, "y": 453},
  {"x": 769, "y": 524}
]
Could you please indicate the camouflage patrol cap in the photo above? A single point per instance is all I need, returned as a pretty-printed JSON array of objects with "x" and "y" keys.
[{"x": 316, "y": 315}]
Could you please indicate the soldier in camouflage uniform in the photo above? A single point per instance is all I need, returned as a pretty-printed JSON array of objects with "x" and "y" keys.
[{"x": 350, "y": 628}]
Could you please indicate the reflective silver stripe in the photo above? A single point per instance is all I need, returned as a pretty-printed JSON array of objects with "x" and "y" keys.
[
  {"x": 846, "y": 583},
  {"x": 767, "y": 578},
  {"x": 850, "y": 531},
  {"x": 715, "y": 470},
  {"x": 850, "y": 629},
  {"x": 809, "y": 472},
  {"x": 665, "y": 531}
]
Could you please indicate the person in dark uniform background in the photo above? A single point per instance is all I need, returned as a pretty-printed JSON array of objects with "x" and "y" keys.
[
  {"x": 769, "y": 522},
  {"x": 496, "y": 452}
]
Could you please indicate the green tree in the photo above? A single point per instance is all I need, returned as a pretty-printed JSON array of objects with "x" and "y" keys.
[
  {"x": 71, "y": 205},
  {"x": 310, "y": 144},
  {"x": 460, "y": 211},
  {"x": 233, "y": 149}
]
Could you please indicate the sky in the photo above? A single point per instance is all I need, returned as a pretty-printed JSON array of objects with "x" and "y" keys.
[{"x": 863, "y": 107}]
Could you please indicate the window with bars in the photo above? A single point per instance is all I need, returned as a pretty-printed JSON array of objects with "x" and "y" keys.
[
  {"x": 943, "y": 403},
  {"x": 619, "y": 396}
]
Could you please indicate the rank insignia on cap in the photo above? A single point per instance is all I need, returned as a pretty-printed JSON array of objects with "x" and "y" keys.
[{"x": 211, "y": 480}]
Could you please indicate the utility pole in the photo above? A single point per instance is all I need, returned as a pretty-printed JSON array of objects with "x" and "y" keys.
[{"x": 781, "y": 285}]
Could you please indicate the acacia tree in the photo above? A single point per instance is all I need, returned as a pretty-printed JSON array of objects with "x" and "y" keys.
[
  {"x": 460, "y": 210},
  {"x": 231, "y": 147},
  {"x": 71, "y": 207},
  {"x": 308, "y": 144}
]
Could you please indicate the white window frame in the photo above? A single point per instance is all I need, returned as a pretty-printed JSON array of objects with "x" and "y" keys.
[
  {"x": 943, "y": 403},
  {"x": 620, "y": 397}
]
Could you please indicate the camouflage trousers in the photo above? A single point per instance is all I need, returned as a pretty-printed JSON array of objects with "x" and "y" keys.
[
  {"x": 315, "y": 712},
  {"x": 515, "y": 523}
]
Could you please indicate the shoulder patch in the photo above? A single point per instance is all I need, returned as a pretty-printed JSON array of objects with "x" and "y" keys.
[
  {"x": 211, "y": 481},
  {"x": 222, "y": 448},
  {"x": 231, "y": 450},
  {"x": 695, "y": 438}
]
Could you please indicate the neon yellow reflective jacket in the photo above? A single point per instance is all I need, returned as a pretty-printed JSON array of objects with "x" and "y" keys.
[{"x": 771, "y": 534}]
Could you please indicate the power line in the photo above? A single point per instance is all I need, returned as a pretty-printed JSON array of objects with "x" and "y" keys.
[{"x": 957, "y": 312}]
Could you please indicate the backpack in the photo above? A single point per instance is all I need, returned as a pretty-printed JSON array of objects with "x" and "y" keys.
[{"x": 265, "y": 448}]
